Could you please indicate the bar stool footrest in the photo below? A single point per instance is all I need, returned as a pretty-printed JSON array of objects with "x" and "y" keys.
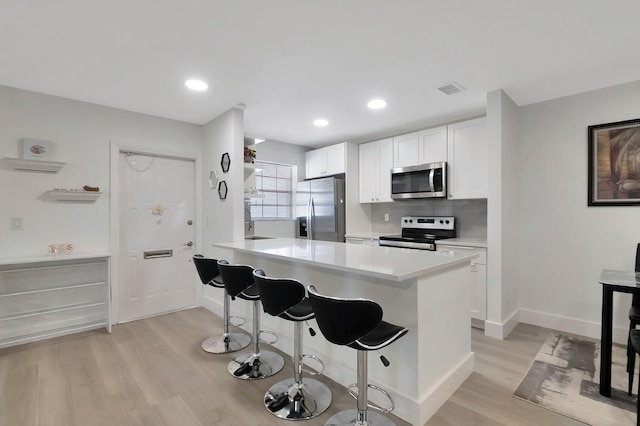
[
  {"x": 370, "y": 404},
  {"x": 237, "y": 317},
  {"x": 312, "y": 372},
  {"x": 269, "y": 342}
]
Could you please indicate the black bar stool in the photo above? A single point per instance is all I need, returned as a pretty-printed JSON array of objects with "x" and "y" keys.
[
  {"x": 634, "y": 338},
  {"x": 227, "y": 342},
  {"x": 298, "y": 398},
  {"x": 238, "y": 280},
  {"x": 356, "y": 323}
]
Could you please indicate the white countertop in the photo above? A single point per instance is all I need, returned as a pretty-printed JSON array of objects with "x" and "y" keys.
[{"x": 388, "y": 263}]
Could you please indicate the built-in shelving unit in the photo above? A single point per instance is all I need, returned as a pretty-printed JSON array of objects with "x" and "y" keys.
[
  {"x": 65, "y": 195},
  {"x": 250, "y": 181},
  {"x": 47, "y": 297},
  {"x": 34, "y": 165}
]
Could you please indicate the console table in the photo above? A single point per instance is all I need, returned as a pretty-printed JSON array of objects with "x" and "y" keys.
[{"x": 52, "y": 296}]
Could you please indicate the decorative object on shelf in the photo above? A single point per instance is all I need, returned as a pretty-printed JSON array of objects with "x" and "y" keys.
[
  {"x": 55, "y": 249},
  {"x": 158, "y": 210},
  {"x": 34, "y": 165},
  {"x": 91, "y": 188},
  {"x": 37, "y": 149},
  {"x": 213, "y": 179},
  {"x": 249, "y": 155},
  {"x": 614, "y": 164},
  {"x": 225, "y": 162},
  {"x": 222, "y": 190}
]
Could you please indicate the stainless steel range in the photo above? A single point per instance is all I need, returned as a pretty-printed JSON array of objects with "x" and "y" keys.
[{"x": 421, "y": 232}]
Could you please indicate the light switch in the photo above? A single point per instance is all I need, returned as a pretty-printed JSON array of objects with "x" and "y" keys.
[
  {"x": 386, "y": 217},
  {"x": 16, "y": 223}
]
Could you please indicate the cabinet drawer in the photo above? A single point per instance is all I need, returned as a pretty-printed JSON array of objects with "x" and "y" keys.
[
  {"x": 39, "y": 301},
  {"x": 50, "y": 277},
  {"x": 22, "y": 327}
]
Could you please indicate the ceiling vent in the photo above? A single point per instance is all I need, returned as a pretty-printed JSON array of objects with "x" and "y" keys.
[{"x": 451, "y": 88}]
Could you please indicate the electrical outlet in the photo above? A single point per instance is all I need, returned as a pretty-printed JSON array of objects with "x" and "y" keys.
[
  {"x": 16, "y": 223},
  {"x": 386, "y": 217}
]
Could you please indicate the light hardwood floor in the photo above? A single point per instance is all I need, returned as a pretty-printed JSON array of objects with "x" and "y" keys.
[{"x": 153, "y": 372}]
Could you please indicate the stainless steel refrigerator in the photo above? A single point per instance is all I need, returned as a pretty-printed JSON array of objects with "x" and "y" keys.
[{"x": 320, "y": 209}]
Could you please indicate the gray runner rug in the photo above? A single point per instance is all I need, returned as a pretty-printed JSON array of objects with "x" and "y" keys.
[{"x": 565, "y": 375}]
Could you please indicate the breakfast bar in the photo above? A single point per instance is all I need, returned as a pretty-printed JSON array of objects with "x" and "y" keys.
[{"x": 424, "y": 291}]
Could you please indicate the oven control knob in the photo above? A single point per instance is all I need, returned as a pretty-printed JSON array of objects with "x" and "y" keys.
[
  {"x": 410, "y": 220},
  {"x": 446, "y": 221},
  {"x": 441, "y": 222}
]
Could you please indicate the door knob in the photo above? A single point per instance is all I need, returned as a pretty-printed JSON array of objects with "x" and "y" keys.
[{"x": 189, "y": 243}]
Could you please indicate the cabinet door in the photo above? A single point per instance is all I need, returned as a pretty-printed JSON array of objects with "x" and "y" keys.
[
  {"x": 385, "y": 164},
  {"x": 316, "y": 163},
  {"x": 479, "y": 292},
  {"x": 433, "y": 145},
  {"x": 369, "y": 172},
  {"x": 479, "y": 277},
  {"x": 468, "y": 158},
  {"x": 334, "y": 159},
  {"x": 405, "y": 150}
]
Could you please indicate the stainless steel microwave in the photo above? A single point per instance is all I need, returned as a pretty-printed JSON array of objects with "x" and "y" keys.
[{"x": 423, "y": 181}]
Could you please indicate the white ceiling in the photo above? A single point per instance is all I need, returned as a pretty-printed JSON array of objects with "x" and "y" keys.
[{"x": 291, "y": 61}]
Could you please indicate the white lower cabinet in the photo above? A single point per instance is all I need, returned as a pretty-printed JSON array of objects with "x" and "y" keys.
[
  {"x": 47, "y": 298},
  {"x": 479, "y": 288}
]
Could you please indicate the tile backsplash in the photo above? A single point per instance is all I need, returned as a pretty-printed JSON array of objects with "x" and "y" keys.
[{"x": 471, "y": 215}]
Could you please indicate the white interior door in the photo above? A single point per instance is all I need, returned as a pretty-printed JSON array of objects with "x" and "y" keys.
[{"x": 157, "y": 234}]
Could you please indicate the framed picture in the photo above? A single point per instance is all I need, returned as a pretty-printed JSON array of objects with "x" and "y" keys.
[
  {"x": 614, "y": 164},
  {"x": 37, "y": 149}
]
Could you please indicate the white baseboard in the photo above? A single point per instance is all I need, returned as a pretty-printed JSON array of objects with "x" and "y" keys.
[
  {"x": 571, "y": 325},
  {"x": 501, "y": 330},
  {"x": 443, "y": 390}
]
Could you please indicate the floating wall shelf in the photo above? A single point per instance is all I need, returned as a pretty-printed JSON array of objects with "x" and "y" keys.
[
  {"x": 62, "y": 195},
  {"x": 34, "y": 165}
]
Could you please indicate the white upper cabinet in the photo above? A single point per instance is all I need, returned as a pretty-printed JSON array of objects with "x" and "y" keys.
[
  {"x": 405, "y": 150},
  {"x": 468, "y": 159},
  {"x": 425, "y": 146},
  {"x": 432, "y": 146},
  {"x": 325, "y": 161},
  {"x": 376, "y": 162}
]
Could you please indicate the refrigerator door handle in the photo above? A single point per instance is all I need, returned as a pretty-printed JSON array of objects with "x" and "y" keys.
[
  {"x": 309, "y": 225},
  {"x": 312, "y": 213}
]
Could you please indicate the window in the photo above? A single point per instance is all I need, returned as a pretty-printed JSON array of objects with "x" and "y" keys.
[{"x": 275, "y": 182}]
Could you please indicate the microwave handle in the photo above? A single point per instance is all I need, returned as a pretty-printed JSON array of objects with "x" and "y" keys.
[{"x": 431, "y": 173}]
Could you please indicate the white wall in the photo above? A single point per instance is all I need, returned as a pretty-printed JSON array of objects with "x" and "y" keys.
[
  {"x": 81, "y": 133},
  {"x": 563, "y": 244},
  {"x": 223, "y": 218}
]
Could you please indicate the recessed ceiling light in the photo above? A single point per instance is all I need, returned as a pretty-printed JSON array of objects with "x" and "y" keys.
[
  {"x": 377, "y": 104},
  {"x": 257, "y": 140},
  {"x": 321, "y": 122},
  {"x": 197, "y": 85}
]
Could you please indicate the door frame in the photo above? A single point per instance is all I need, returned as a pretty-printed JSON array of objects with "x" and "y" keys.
[{"x": 115, "y": 149}]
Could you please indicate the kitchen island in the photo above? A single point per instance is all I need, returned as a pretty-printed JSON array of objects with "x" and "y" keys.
[{"x": 426, "y": 292}]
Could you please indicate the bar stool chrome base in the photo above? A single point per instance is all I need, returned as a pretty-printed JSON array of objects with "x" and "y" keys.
[
  {"x": 224, "y": 344},
  {"x": 290, "y": 401},
  {"x": 350, "y": 418},
  {"x": 252, "y": 366}
]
